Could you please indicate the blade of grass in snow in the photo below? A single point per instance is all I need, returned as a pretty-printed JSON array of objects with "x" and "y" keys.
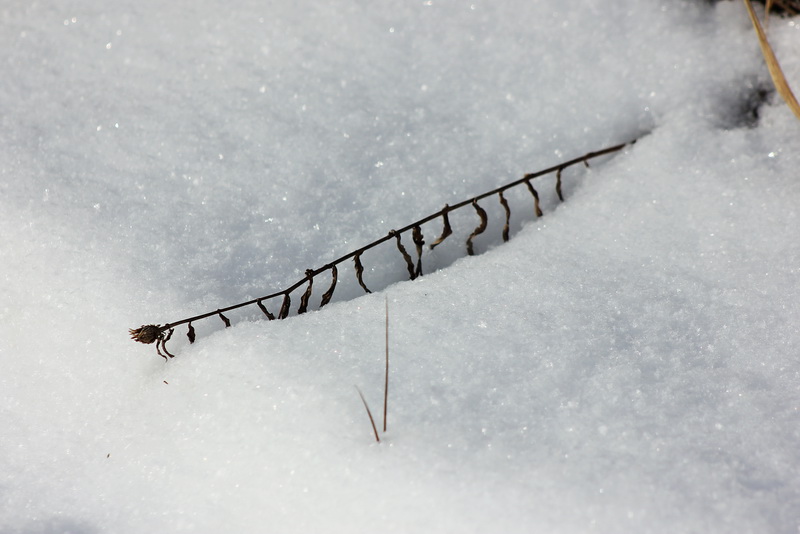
[{"x": 774, "y": 67}]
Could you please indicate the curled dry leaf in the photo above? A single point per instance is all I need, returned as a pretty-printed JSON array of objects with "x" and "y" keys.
[
  {"x": 536, "y": 207},
  {"x": 360, "y": 272},
  {"x": 447, "y": 229},
  {"x": 326, "y": 297},
  {"x": 478, "y": 229},
  {"x": 409, "y": 264},
  {"x": 504, "y": 203},
  {"x": 419, "y": 242},
  {"x": 287, "y": 303},
  {"x": 264, "y": 310},
  {"x": 307, "y": 295},
  {"x": 558, "y": 185}
]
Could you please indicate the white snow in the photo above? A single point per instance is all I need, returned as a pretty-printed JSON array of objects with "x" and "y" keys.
[{"x": 626, "y": 363}]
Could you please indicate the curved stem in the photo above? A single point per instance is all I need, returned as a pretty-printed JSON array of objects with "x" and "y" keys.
[{"x": 415, "y": 227}]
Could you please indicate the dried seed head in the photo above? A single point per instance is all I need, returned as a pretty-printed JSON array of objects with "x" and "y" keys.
[{"x": 146, "y": 333}]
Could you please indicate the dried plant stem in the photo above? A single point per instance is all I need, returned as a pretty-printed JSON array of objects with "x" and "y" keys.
[
  {"x": 775, "y": 71},
  {"x": 152, "y": 333},
  {"x": 369, "y": 413},
  {"x": 386, "y": 375}
]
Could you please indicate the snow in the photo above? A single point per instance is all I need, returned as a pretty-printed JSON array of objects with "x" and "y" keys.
[{"x": 626, "y": 363}]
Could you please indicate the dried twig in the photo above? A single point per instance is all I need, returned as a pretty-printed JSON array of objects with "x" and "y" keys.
[{"x": 160, "y": 334}]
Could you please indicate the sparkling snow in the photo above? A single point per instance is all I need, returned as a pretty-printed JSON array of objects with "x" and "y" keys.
[{"x": 627, "y": 363}]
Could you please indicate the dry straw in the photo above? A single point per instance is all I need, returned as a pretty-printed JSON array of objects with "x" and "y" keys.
[
  {"x": 385, "y": 385},
  {"x": 160, "y": 334},
  {"x": 774, "y": 67},
  {"x": 369, "y": 414}
]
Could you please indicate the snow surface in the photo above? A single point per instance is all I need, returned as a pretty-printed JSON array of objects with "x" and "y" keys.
[{"x": 627, "y": 363}]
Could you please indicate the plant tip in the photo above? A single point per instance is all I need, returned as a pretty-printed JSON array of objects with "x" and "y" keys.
[{"x": 146, "y": 333}]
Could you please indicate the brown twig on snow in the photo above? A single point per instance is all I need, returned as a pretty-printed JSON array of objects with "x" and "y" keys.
[{"x": 160, "y": 334}]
